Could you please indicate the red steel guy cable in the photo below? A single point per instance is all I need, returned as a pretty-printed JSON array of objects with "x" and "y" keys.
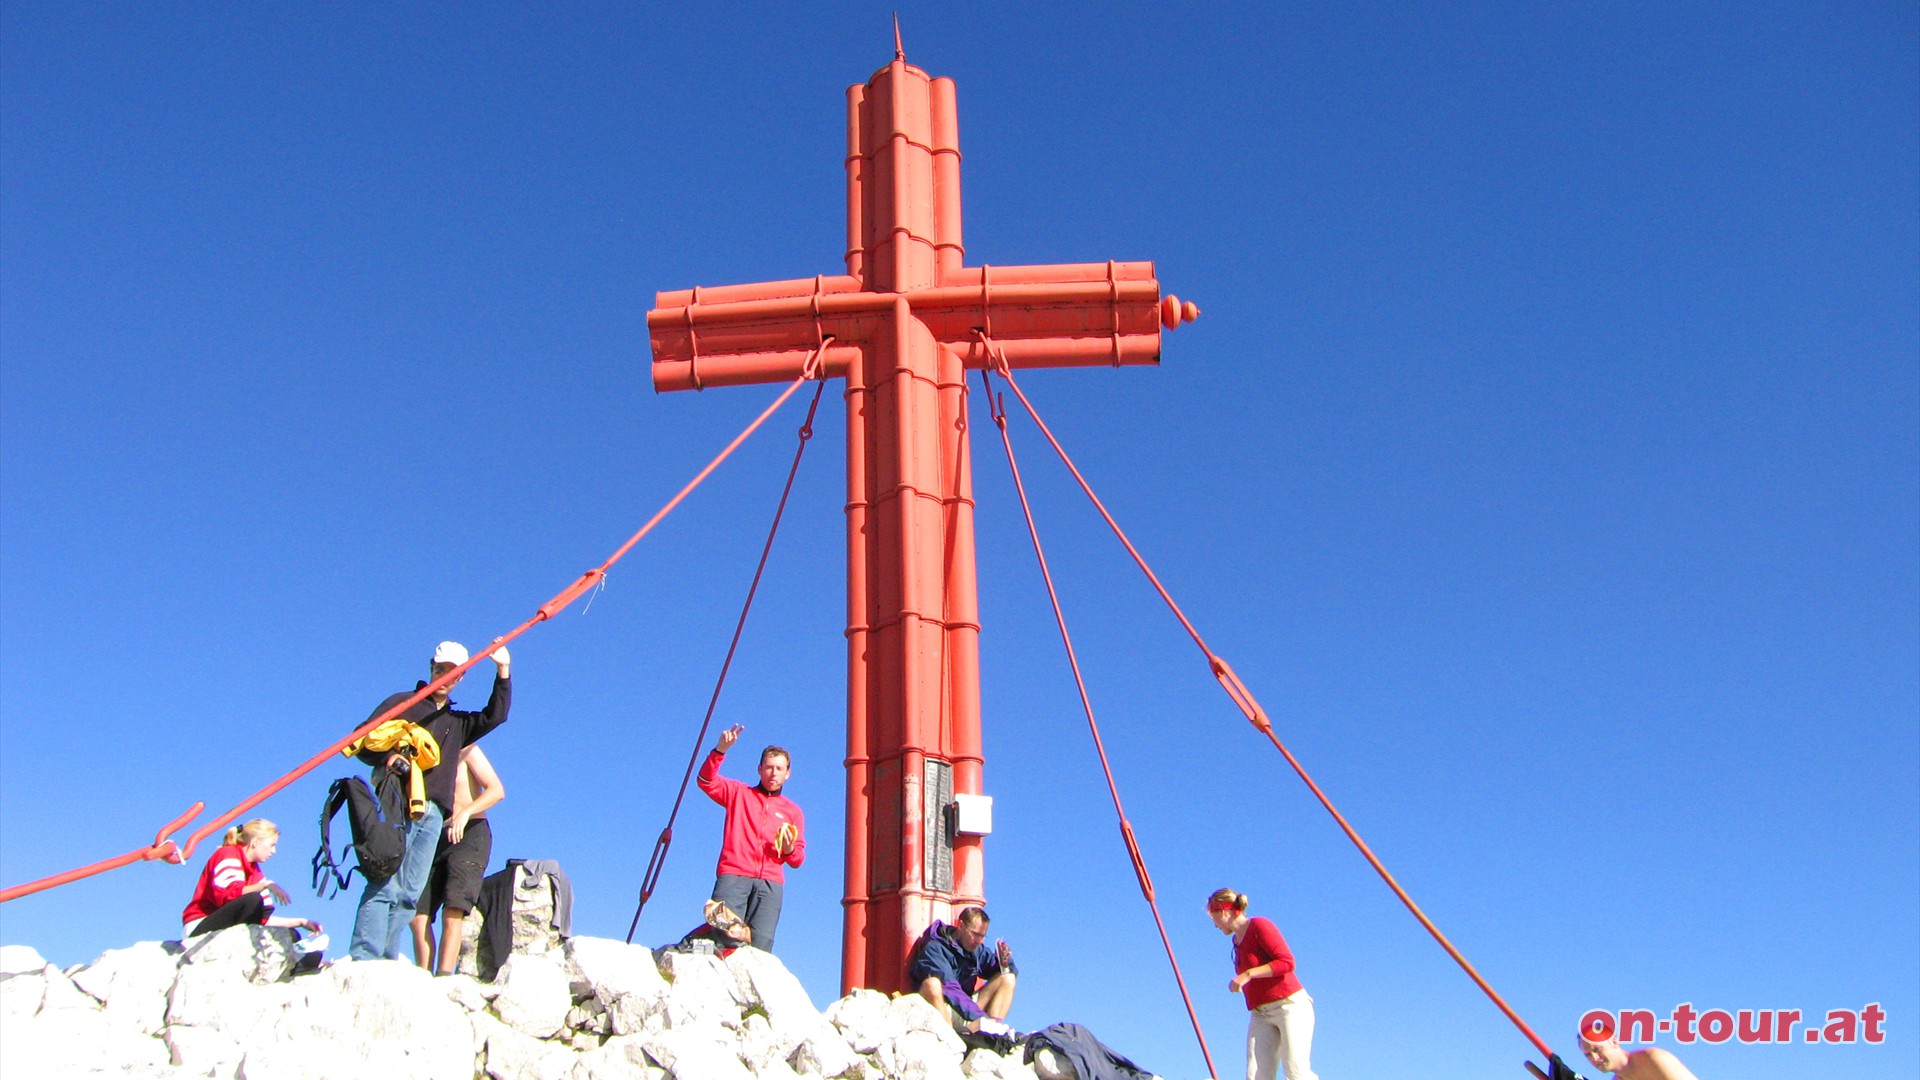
[
  {"x": 996, "y": 408},
  {"x": 1243, "y": 698},
  {"x": 163, "y": 848},
  {"x": 658, "y": 860}
]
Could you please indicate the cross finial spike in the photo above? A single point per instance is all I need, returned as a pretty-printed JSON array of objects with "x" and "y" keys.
[{"x": 899, "y": 52}]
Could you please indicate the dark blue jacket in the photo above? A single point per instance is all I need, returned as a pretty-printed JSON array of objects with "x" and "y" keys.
[
  {"x": 1091, "y": 1058},
  {"x": 937, "y": 955}
]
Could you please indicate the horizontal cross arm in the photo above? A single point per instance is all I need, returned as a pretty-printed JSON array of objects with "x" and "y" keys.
[{"x": 1038, "y": 316}]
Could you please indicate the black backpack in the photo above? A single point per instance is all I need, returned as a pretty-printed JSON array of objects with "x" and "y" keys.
[{"x": 379, "y": 825}]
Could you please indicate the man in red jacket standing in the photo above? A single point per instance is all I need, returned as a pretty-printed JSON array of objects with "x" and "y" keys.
[{"x": 765, "y": 833}]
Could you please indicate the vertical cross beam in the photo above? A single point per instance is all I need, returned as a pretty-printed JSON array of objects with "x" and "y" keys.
[
  {"x": 902, "y": 327},
  {"x": 912, "y": 634}
]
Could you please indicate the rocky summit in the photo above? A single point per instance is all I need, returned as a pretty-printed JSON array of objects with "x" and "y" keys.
[{"x": 230, "y": 1006}]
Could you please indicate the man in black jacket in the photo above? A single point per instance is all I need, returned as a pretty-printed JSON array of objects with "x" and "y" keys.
[{"x": 386, "y": 907}]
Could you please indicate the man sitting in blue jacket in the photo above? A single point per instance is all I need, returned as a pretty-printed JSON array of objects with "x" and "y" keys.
[{"x": 953, "y": 969}]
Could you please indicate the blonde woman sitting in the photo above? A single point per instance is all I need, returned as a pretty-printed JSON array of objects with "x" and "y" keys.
[{"x": 232, "y": 890}]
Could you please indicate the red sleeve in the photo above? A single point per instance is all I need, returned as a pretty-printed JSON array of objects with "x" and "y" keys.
[
  {"x": 1268, "y": 947},
  {"x": 710, "y": 780}
]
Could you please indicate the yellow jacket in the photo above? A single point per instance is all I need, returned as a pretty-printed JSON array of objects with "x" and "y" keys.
[{"x": 419, "y": 745}]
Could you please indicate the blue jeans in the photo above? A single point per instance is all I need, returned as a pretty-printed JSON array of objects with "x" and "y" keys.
[{"x": 386, "y": 907}]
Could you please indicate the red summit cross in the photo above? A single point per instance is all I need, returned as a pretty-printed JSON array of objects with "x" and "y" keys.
[{"x": 902, "y": 326}]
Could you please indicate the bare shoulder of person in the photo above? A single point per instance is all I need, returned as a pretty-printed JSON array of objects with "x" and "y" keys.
[{"x": 1654, "y": 1063}]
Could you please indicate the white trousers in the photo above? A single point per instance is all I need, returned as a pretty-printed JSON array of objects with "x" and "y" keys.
[{"x": 1280, "y": 1036}]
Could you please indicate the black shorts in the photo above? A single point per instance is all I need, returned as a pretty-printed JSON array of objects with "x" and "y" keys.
[{"x": 457, "y": 870}]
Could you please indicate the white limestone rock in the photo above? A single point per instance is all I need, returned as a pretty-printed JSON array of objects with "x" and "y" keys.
[
  {"x": 23, "y": 992},
  {"x": 1048, "y": 1065},
  {"x": 588, "y": 1016},
  {"x": 533, "y": 931},
  {"x": 329, "y": 1061},
  {"x": 36, "y": 993},
  {"x": 623, "y": 1057},
  {"x": 261, "y": 954},
  {"x": 921, "y": 1044},
  {"x": 983, "y": 1064},
  {"x": 201, "y": 1051},
  {"x": 280, "y": 1061},
  {"x": 914, "y": 1013},
  {"x": 775, "y": 1069},
  {"x": 510, "y": 1055},
  {"x": 598, "y": 965},
  {"x": 864, "y": 1019},
  {"x": 697, "y": 1052},
  {"x": 761, "y": 979},
  {"x": 921, "y": 1055},
  {"x": 313, "y": 1011},
  {"x": 219, "y": 996},
  {"x": 62, "y": 994},
  {"x": 781, "y": 1023},
  {"x": 533, "y": 995},
  {"x": 20, "y": 959},
  {"x": 625, "y": 1017},
  {"x": 1012, "y": 1067},
  {"x": 745, "y": 1018},
  {"x": 481, "y": 1025},
  {"x": 467, "y": 992},
  {"x": 623, "y": 981},
  {"x": 391, "y": 1015},
  {"x": 64, "y": 1042},
  {"x": 703, "y": 992},
  {"x": 766, "y": 984},
  {"x": 133, "y": 982},
  {"x": 757, "y": 1044},
  {"x": 823, "y": 1052}
]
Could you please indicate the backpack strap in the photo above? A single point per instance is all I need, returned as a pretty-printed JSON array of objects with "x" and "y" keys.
[{"x": 324, "y": 864}]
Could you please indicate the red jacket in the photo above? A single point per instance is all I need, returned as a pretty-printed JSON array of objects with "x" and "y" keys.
[
  {"x": 226, "y": 873},
  {"x": 1264, "y": 945},
  {"x": 753, "y": 817}
]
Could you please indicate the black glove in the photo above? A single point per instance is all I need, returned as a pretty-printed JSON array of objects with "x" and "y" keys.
[{"x": 1559, "y": 1070}]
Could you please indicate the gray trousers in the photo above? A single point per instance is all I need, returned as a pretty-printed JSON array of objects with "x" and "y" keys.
[{"x": 756, "y": 900}]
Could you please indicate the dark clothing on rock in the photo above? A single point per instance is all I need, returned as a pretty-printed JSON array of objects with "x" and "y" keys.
[
  {"x": 251, "y": 908},
  {"x": 706, "y": 939},
  {"x": 496, "y": 908},
  {"x": 562, "y": 890},
  {"x": 1091, "y": 1059},
  {"x": 451, "y": 728},
  {"x": 961, "y": 971},
  {"x": 496, "y": 914}
]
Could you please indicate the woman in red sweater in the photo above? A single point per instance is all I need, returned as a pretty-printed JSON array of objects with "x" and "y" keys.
[
  {"x": 1280, "y": 1014},
  {"x": 232, "y": 891}
]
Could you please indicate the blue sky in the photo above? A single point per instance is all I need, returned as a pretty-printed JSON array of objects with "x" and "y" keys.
[{"x": 1547, "y": 459}]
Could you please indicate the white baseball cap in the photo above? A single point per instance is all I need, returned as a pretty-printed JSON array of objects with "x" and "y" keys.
[{"x": 450, "y": 652}]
